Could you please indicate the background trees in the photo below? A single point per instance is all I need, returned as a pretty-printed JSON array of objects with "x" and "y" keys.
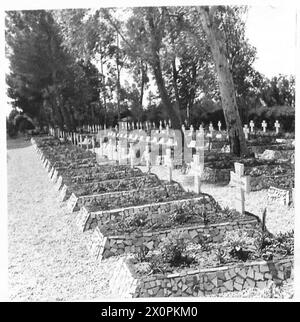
[{"x": 70, "y": 67}]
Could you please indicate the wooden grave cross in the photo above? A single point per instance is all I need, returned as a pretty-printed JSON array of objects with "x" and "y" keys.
[
  {"x": 277, "y": 126},
  {"x": 197, "y": 166},
  {"x": 93, "y": 144},
  {"x": 246, "y": 131},
  {"x": 242, "y": 182},
  {"x": 86, "y": 142},
  {"x": 252, "y": 126},
  {"x": 191, "y": 131},
  {"x": 160, "y": 126},
  {"x": 264, "y": 126}
]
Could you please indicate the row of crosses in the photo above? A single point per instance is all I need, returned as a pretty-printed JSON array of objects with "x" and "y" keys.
[
  {"x": 145, "y": 125},
  {"x": 264, "y": 126}
]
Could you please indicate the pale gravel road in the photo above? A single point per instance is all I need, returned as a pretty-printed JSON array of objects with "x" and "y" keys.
[{"x": 48, "y": 258}]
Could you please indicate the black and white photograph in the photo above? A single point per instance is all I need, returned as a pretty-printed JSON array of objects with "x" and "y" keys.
[{"x": 150, "y": 151}]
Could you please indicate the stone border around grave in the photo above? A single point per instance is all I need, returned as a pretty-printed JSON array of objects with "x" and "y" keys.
[
  {"x": 88, "y": 220},
  {"x": 257, "y": 183},
  {"x": 200, "y": 282},
  {"x": 74, "y": 202},
  {"x": 104, "y": 245}
]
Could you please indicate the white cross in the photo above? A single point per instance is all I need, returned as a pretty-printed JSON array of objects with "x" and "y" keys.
[
  {"x": 161, "y": 141},
  {"x": 219, "y": 125},
  {"x": 197, "y": 166},
  {"x": 192, "y": 144},
  {"x": 242, "y": 182},
  {"x": 86, "y": 142},
  {"x": 277, "y": 126},
  {"x": 264, "y": 125},
  {"x": 252, "y": 126},
  {"x": 93, "y": 144},
  {"x": 246, "y": 131}
]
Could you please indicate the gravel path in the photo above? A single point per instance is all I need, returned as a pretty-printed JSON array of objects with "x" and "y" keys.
[{"x": 48, "y": 259}]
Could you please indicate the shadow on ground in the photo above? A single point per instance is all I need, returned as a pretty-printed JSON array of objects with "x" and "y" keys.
[{"x": 17, "y": 143}]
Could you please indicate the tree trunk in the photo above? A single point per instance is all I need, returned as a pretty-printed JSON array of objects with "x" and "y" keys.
[
  {"x": 217, "y": 44},
  {"x": 175, "y": 118},
  {"x": 143, "y": 72},
  {"x": 118, "y": 78},
  {"x": 156, "y": 37}
]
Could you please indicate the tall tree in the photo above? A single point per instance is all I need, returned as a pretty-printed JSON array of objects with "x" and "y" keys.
[
  {"x": 217, "y": 45},
  {"x": 44, "y": 78}
]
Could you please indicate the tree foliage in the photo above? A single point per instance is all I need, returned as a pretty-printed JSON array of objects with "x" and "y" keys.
[{"x": 75, "y": 66}]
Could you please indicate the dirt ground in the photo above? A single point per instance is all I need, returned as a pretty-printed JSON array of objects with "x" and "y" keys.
[{"x": 48, "y": 258}]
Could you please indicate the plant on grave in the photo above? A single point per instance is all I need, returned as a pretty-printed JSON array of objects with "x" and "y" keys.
[
  {"x": 264, "y": 238},
  {"x": 280, "y": 245},
  {"x": 221, "y": 255},
  {"x": 240, "y": 244},
  {"x": 226, "y": 211},
  {"x": 181, "y": 215},
  {"x": 173, "y": 249},
  {"x": 205, "y": 242},
  {"x": 141, "y": 254},
  {"x": 138, "y": 219}
]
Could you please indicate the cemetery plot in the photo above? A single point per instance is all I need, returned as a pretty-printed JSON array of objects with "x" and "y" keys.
[
  {"x": 93, "y": 215},
  {"x": 161, "y": 193},
  {"x": 263, "y": 172},
  {"x": 95, "y": 174},
  {"x": 86, "y": 191},
  {"x": 138, "y": 233},
  {"x": 180, "y": 267},
  {"x": 181, "y": 244}
]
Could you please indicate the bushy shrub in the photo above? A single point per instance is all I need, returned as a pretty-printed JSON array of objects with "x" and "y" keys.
[
  {"x": 280, "y": 245},
  {"x": 240, "y": 244}
]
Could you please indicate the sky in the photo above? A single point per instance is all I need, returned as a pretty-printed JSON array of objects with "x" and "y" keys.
[{"x": 272, "y": 30}]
